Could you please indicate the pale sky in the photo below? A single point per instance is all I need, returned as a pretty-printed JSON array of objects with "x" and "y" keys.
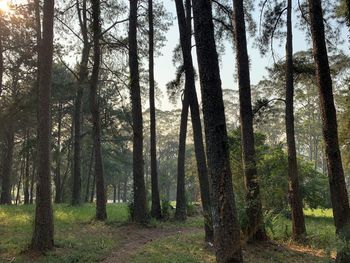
[{"x": 165, "y": 71}]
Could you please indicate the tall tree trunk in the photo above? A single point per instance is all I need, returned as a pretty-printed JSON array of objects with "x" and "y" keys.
[
  {"x": 125, "y": 190},
  {"x": 225, "y": 221},
  {"x": 93, "y": 186},
  {"x": 185, "y": 30},
  {"x": 119, "y": 190},
  {"x": 43, "y": 224},
  {"x": 1, "y": 58},
  {"x": 26, "y": 174},
  {"x": 6, "y": 197},
  {"x": 180, "y": 212},
  {"x": 58, "y": 197},
  {"x": 255, "y": 226},
  {"x": 32, "y": 179},
  {"x": 78, "y": 120},
  {"x": 21, "y": 173},
  {"x": 114, "y": 193},
  {"x": 298, "y": 222},
  {"x": 339, "y": 194},
  {"x": 155, "y": 207},
  {"x": 140, "y": 206},
  {"x": 101, "y": 213},
  {"x": 89, "y": 176}
]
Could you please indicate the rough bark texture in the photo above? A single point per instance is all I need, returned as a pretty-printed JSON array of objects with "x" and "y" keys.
[
  {"x": 1, "y": 59},
  {"x": 140, "y": 206},
  {"x": 82, "y": 82},
  {"x": 101, "y": 213},
  {"x": 155, "y": 207},
  {"x": 185, "y": 30},
  {"x": 298, "y": 222},
  {"x": 5, "y": 197},
  {"x": 43, "y": 224},
  {"x": 339, "y": 195},
  {"x": 225, "y": 221},
  {"x": 180, "y": 212},
  {"x": 254, "y": 229}
]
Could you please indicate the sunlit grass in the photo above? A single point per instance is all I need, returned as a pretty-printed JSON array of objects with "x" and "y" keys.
[
  {"x": 78, "y": 237},
  {"x": 179, "y": 248}
]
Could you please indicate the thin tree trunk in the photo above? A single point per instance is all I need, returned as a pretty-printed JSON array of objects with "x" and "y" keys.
[
  {"x": 339, "y": 194},
  {"x": 32, "y": 179},
  {"x": 298, "y": 222},
  {"x": 101, "y": 213},
  {"x": 198, "y": 135},
  {"x": 18, "y": 197},
  {"x": 6, "y": 197},
  {"x": 225, "y": 220},
  {"x": 43, "y": 226},
  {"x": 58, "y": 197},
  {"x": 78, "y": 120},
  {"x": 26, "y": 175},
  {"x": 155, "y": 207},
  {"x": 1, "y": 58},
  {"x": 125, "y": 190},
  {"x": 140, "y": 206},
  {"x": 89, "y": 176},
  {"x": 255, "y": 226},
  {"x": 180, "y": 212},
  {"x": 114, "y": 193},
  {"x": 92, "y": 196},
  {"x": 119, "y": 190}
]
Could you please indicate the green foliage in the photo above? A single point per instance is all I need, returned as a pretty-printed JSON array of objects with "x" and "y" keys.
[
  {"x": 166, "y": 209},
  {"x": 272, "y": 166}
]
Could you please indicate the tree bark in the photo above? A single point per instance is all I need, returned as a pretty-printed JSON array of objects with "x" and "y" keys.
[
  {"x": 32, "y": 179},
  {"x": 82, "y": 82},
  {"x": 180, "y": 212},
  {"x": 298, "y": 221},
  {"x": 26, "y": 175},
  {"x": 43, "y": 225},
  {"x": 89, "y": 176},
  {"x": 6, "y": 197},
  {"x": 255, "y": 226},
  {"x": 114, "y": 193},
  {"x": 58, "y": 197},
  {"x": 225, "y": 221},
  {"x": 339, "y": 194},
  {"x": 101, "y": 213},
  {"x": 1, "y": 57},
  {"x": 155, "y": 207},
  {"x": 93, "y": 186},
  {"x": 21, "y": 173},
  {"x": 119, "y": 190},
  {"x": 140, "y": 206},
  {"x": 185, "y": 30},
  {"x": 125, "y": 190}
]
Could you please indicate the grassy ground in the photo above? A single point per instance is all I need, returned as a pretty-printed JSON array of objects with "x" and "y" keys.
[
  {"x": 80, "y": 239},
  {"x": 320, "y": 245}
]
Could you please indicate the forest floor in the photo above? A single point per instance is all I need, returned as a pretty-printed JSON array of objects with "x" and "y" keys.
[{"x": 78, "y": 238}]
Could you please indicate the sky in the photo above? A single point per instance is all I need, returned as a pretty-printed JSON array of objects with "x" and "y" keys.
[{"x": 165, "y": 71}]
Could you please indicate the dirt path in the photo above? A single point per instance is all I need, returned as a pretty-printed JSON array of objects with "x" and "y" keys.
[{"x": 133, "y": 237}]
